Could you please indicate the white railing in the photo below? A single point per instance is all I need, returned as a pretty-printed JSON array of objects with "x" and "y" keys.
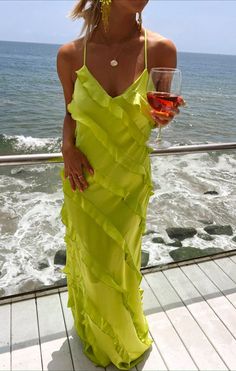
[{"x": 7, "y": 160}]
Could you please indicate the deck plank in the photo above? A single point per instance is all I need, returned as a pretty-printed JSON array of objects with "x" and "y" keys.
[
  {"x": 153, "y": 359},
  {"x": 150, "y": 302},
  {"x": 54, "y": 343},
  {"x": 222, "y": 304},
  {"x": 81, "y": 361},
  {"x": 201, "y": 281},
  {"x": 193, "y": 299},
  {"x": 199, "y": 347},
  {"x": 233, "y": 258},
  {"x": 228, "y": 266},
  {"x": 218, "y": 276},
  {"x": 112, "y": 367},
  {"x": 230, "y": 270},
  {"x": 169, "y": 344},
  {"x": 172, "y": 349},
  {"x": 215, "y": 330},
  {"x": 25, "y": 337},
  {"x": 163, "y": 291},
  {"x": 5, "y": 315}
]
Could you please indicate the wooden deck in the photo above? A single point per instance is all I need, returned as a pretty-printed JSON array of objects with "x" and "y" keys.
[{"x": 190, "y": 308}]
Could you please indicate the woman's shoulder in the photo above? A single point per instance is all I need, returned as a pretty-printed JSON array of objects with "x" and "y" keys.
[
  {"x": 162, "y": 50},
  {"x": 158, "y": 41},
  {"x": 71, "y": 49}
]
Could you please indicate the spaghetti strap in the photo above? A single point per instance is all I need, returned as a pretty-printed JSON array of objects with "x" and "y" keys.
[{"x": 145, "y": 48}]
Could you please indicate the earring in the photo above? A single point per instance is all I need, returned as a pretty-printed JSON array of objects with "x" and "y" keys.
[
  {"x": 105, "y": 10},
  {"x": 140, "y": 21}
]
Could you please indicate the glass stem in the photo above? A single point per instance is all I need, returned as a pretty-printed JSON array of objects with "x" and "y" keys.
[{"x": 159, "y": 134}]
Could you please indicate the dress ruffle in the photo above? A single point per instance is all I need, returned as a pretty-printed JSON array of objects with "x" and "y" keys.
[
  {"x": 107, "y": 142},
  {"x": 102, "y": 259},
  {"x": 88, "y": 311}
]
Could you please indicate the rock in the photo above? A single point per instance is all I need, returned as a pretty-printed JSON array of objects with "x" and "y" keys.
[
  {"x": 149, "y": 231},
  {"x": 2, "y": 292},
  {"x": 204, "y": 221},
  {"x": 219, "y": 229},
  {"x": 60, "y": 257},
  {"x": 212, "y": 250},
  {"x": 176, "y": 243},
  {"x": 144, "y": 257},
  {"x": 211, "y": 193},
  {"x": 205, "y": 236},
  {"x": 43, "y": 264},
  {"x": 158, "y": 240},
  {"x": 234, "y": 239},
  {"x": 188, "y": 252},
  {"x": 180, "y": 233},
  {"x": 61, "y": 282}
]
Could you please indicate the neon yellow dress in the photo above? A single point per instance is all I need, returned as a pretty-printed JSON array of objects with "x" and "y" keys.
[{"x": 105, "y": 223}]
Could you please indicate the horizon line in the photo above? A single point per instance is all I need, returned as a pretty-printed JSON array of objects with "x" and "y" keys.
[{"x": 179, "y": 51}]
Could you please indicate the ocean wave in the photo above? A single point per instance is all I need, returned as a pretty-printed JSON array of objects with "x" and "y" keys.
[{"x": 16, "y": 144}]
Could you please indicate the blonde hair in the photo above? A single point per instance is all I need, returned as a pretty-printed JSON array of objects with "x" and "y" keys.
[{"x": 90, "y": 11}]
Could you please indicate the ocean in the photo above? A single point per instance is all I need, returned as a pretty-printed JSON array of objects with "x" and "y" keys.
[{"x": 31, "y": 120}]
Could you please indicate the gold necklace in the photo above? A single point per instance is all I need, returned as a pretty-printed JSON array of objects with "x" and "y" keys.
[{"x": 114, "y": 62}]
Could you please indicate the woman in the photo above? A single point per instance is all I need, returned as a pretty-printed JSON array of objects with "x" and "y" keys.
[{"x": 107, "y": 174}]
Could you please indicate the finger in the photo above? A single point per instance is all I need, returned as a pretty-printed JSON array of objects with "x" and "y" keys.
[
  {"x": 78, "y": 181},
  {"x": 88, "y": 166},
  {"x": 162, "y": 118},
  {"x": 82, "y": 180},
  {"x": 72, "y": 183},
  {"x": 83, "y": 177},
  {"x": 65, "y": 173},
  {"x": 174, "y": 111},
  {"x": 181, "y": 101},
  {"x": 162, "y": 121},
  {"x": 159, "y": 114},
  {"x": 74, "y": 177},
  {"x": 172, "y": 114}
]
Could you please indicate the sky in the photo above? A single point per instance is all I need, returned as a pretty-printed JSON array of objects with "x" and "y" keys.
[{"x": 194, "y": 26}]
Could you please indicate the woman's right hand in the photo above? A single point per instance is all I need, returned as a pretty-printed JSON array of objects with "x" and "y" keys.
[{"x": 74, "y": 161}]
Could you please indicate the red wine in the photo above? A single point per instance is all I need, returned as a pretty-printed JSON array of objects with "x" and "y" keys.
[{"x": 163, "y": 102}]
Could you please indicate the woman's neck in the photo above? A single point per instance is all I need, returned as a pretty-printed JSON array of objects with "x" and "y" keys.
[{"x": 122, "y": 28}]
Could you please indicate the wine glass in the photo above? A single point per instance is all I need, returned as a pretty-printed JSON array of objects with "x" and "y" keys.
[{"x": 163, "y": 93}]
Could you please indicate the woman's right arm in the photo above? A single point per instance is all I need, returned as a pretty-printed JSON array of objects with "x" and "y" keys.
[{"x": 74, "y": 159}]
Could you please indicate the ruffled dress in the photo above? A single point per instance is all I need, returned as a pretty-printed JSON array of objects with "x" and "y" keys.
[{"x": 104, "y": 224}]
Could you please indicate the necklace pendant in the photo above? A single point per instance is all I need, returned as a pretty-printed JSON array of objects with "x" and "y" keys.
[{"x": 113, "y": 63}]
